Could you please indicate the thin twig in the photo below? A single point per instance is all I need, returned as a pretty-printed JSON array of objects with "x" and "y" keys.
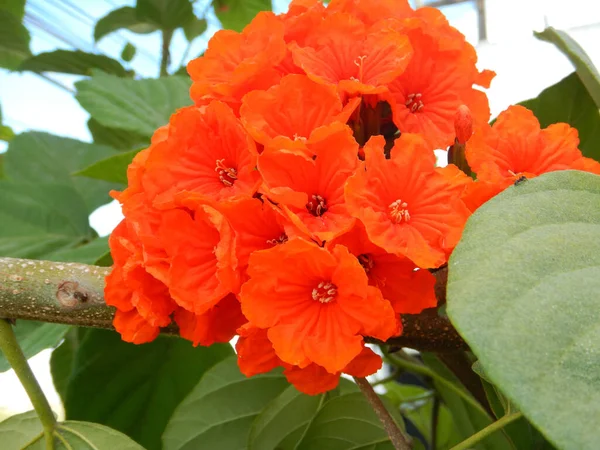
[
  {"x": 491, "y": 428},
  {"x": 165, "y": 58},
  {"x": 397, "y": 437}
]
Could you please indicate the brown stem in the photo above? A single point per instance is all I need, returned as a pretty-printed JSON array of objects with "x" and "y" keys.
[
  {"x": 73, "y": 293},
  {"x": 397, "y": 437}
]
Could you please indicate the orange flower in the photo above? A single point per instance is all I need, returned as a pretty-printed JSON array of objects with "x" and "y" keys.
[
  {"x": 360, "y": 60},
  {"x": 405, "y": 204},
  {"x": 311, "y": 190},
  {"x": 316, "y": 304},
  {"x": 293, "y": 109},
  {"x": 132, "y": 290},
  {"x": 208, "y": 153},
  {"x": 237, "y": 63},
  {"x": 203, "y": 265},
  {"x": 218, "y": 324},
  {"x": 370, "y": 14},
  {"x": 410, "y": 291}
]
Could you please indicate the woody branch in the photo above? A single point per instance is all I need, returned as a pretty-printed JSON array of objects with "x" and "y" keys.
[{"x": 73, "y": 293}]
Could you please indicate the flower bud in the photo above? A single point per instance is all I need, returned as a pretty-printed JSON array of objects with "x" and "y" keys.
[{"x": 463, "y": 124}]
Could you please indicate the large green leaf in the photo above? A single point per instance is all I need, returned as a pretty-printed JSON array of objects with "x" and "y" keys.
[
  {"x": 282, "y": 423},
  {"x": 219, "y": 411},
  {"x": 523, "y": 291},
  {"x": 24, "y": 432},
  {"x": 135, "y": 388},
  {"x": 570, "y": 102},
  {"x": 121, "y": 18},
  {"x": 61, "y": 362},
  {"x": 116, "y": 138},
  {"x": 73, "y": 62},
  {"x": 583, "y": 64},
  {"x": 15, "y": 7},
  {"x": 34, "y": 337},
  {"x": 194, "y": 28},
  {"x": 42, "y": 218},
  {"x": 347, "y": 422},
  {"x": 87, "y": 253},
  {"x": 36, "y": 157},
  {"x": 140, "y": 106},
  {"x": 113, "y": 168},
  {"x": 236, "y": 14},
  {"x": 165, "y": 14},
  {"x": 14, "y": 41}
]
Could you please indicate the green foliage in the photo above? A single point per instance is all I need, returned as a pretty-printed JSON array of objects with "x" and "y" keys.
[
  {"x": 14, "y": 40},
  {"x": 583, "y": 64},
  {"x": 165, "y": 14},
  {"x": 116, "y": 138},
  {"x": 15, "y": 7},
  {"x": 135, "y": 388},
  {"x": 24, "y": 432},
  {"x": 117, "y": 19},
  {"x": 236, "y": 14},
  {"x": 113, "y": 168},
  {"x": 128, "y": 52},
  {"x": 61, "y": 361},
  {"x": 531, "y": 257},
  {"x": 569, "y": 101},
  {"x": 6, "y": 134},
  {"x": 34, "y": 337},
  {"x": 87, "y": 253},
  {"x": 73, "y": 62},
  {"x": 194, "y": 28},
  {"x": 140, "y": 106}
]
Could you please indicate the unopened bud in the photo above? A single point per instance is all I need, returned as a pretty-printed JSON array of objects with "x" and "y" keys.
[{"x": 463, "y": 124}]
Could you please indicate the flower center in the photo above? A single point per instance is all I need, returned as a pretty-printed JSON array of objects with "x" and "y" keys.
[
  {"x": 399, "y": 211},
  {"x": 366, "y": 261},
  {"x": 414, "y": 103},
  {"x": 227, "y": 175},
  {"x": 282, "y": 239},
  {"x": 325, "y": 292},
  {"x": 317, "y": 206},
  {"x": 358, "y": 62}
]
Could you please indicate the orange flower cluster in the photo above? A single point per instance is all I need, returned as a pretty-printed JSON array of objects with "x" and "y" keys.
[{"x": 298, "y": 204}]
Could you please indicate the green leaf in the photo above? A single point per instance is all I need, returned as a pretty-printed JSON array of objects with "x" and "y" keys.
[
  {"x": 570, "y": 102},
  {"x": 73, "y": 62},
  {"x": 281, "y": 424},
  {"x": 135, "y": 388},
  {"x": 15, "y": 7},
  {"x": 583, "y": 64},
  {"x": 194, "y": 28},
  {"x": 87, "y": 253},
  {"x": 61, "y": 362},
  {"x": 115, "y": 138},
  {"x": 531, "y": 257},
  {"x": 140, "y": 106},
  {"x": 165, "y": 14},
  {"x": 236, "y": 14},
  {"x": 219, "y": 411},
  {"x": 36, "y": 157},
  {"x": 34, "y": 337},
  {"x": 122, "y": 18},
  {"x": 14, "y": 41},
  {"x": 416, "y": 404},
  {"x": 128, "y": 52},
  {"x": 113, "y": 168},
  {"x": 19, "y": 430},
  {"x": 105, "y": 260},
  {"x": 39, "y": 219},
  {"x": 6, "y": 134},
  {"x": 347, "y": 422}
]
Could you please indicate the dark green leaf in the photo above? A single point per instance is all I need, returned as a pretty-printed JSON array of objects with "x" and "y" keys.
[
  {"x": 105, "y": 260},
  {"x": 39, "y": 219},
  {"x": 34, "y": 337},
  {"x": 61, "y": 362},
  {"x": 531, "y": 256},
  {"x": 347, "y": 422},
  {"x": 115, "y": 138},
  {"x": 87, "y": 253},
  {"x": 194, "y": 28},
  {"x": 36, "y": 157},
  {"x": 236, "y": 14},
  {"x": 219, "y": 411},
  {"x": 128, "y": 52},
  {"x": 569, "y": 101},
  {"x": 14, "y": 41},
  {"x": 6, "y": 134},
  {"x": 135, "y": 388},
  {"x": 165, "y": 14},
  {"x": 281, "y": 424},
  {"x": 140, "y": 106},
  {"x": 121, "y": 18},
  {"x": 72, "y": 62},
  {"x": 584, "y": 66},
  {"x": 113, "y": 168},
  {"x": 15, "y": 7}
]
